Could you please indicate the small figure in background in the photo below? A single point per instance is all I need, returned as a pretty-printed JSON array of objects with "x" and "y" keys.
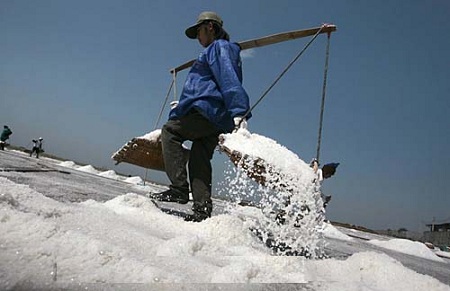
[
  {"x": 4, "y": 137},
  {"x": 325, "y": 172},
  {"x": 37, "y": 147}
]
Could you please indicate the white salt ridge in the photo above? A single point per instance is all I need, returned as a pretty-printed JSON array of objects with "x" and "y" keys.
[
  {"x": 442, "y": 254},
  {"x": 110, "y": 174},
  {"x": 332, "y": 232},
  {"x": 88, "y": 169},
  {"x": 134, "y": 180},
  {"x": 68, "y": 164},
  {"x": 409, "y": 247},
  {"x": 128, "y": 240}
]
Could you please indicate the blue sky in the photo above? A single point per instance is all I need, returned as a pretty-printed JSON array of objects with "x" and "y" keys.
[{"x": 90, "y": 75}]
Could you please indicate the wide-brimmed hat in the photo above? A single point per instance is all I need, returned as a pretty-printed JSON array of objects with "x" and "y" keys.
[{"x": 191, "y": 31}]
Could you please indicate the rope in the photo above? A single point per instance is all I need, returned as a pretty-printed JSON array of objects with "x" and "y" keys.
[
  {"x": 174, "y": 81},
  {"x": 164, "y": 104},
  {"x": 284, "y": 71},
  {"x": 174, "y": 86},
  {"x": 325, "y": 73},
  {"x": 162, "y": 109}
]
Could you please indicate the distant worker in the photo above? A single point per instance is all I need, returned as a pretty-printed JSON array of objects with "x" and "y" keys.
[
  {"x": 212, "y": 102},
  {"x": 326, "y": 172},
  {"x": 4, "y": 137},
  {"x": 37, "y": 147}
]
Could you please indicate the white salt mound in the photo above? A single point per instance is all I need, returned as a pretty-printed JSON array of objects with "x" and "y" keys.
[
  {"x": 414, "y": 248},
  {"x": 135, "y": 180},
  {"x": 110, "y": 174},
  {"x": 68, "y": 164},
  {"x": 332, "y": 232},
  {"x": 88, "y": 169}
]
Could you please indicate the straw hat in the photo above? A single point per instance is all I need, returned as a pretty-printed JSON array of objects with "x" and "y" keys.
[{"x": 191, "y": 31}]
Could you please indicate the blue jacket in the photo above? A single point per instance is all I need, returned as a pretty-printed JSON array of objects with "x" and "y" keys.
[
  {"x": 5, "y": 134},
  {"x": 214, "y": 86}
]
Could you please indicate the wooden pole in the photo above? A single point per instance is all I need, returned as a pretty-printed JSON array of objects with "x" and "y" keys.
[{"x": 268, "y": 40}]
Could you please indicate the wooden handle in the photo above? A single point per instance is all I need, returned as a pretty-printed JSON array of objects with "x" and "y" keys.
[{"x": 270, "y": 39}]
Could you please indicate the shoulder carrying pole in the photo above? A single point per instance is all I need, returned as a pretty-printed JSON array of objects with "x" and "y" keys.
[{"x": 271, "y": 39}]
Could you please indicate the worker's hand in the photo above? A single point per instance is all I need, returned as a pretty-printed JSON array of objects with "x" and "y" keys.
[
  {"x": 239, "y": 122},
  {"x": 173, "y": 104}
]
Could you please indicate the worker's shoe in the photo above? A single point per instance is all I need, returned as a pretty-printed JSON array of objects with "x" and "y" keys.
[
  {"x": 170, "y": 196},
  {"x": 196, "y": 217},
  {"x": 201, "y": 211}
]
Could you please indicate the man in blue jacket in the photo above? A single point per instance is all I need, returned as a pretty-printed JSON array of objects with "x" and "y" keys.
[{"x": 212, "y": 102}]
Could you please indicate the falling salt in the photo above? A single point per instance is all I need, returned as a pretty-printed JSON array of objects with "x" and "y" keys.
[{"x": 291, "y": 207}]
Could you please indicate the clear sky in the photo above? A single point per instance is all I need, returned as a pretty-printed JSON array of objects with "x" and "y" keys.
[{"x": 90, "y": 75}]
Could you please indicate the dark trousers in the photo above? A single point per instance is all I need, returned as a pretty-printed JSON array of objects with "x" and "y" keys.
[
  {"x": 35, "y": 150},
  {"x": 204, "y": 136}
]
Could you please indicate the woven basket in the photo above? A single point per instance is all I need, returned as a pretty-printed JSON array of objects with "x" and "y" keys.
[{"x": 143, "y": 152}]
